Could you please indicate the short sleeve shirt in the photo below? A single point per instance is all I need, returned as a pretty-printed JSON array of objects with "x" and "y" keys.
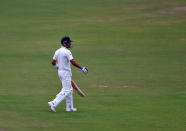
[{"x": 63, "y": 57}]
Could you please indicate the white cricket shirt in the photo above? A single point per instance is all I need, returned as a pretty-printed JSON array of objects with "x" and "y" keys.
[{"x": 63, "y": 57}]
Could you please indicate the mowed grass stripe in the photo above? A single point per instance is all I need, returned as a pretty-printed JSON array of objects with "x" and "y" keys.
[{"x": 134, "y": 50}]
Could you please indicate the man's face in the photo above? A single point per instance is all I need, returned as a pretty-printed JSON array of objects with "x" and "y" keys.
[{"x": 68, "y": 45}]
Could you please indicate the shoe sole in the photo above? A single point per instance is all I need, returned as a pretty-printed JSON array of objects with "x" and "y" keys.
[{"x": 71, "y": 110}]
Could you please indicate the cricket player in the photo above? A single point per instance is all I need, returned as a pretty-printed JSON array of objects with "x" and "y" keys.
[{"x": 61, "y": 60}]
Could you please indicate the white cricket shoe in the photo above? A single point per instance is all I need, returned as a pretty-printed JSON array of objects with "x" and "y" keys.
[
  {"x": 71, "y": 109},
  {"x": 52, "y": 107}
]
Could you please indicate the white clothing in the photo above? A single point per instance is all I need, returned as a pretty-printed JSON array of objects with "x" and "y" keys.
[
  {"x": 66, "y": 79},
  {"x": 63, "y": 57}
]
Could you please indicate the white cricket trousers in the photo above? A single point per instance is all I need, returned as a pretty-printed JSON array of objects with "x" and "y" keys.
[{"x": 66, "y": 91}]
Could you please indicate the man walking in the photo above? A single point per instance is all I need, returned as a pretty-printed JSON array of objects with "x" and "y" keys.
[{"x": 61, "y": 60}]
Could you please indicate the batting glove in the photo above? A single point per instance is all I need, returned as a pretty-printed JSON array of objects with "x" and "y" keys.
[{"x": 85, "y": 70}]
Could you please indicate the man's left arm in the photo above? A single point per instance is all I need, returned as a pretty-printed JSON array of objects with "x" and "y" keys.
[{"x": 54, "y": 64}]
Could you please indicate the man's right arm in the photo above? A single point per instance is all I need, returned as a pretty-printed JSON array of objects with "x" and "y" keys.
[{"x": 74, "y": 63}]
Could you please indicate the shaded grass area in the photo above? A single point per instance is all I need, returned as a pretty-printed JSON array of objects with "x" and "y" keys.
[{"x": 134, "y": 50}]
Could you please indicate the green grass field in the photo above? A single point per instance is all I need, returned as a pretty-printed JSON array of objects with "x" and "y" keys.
[{"x": 135, "y": 52}]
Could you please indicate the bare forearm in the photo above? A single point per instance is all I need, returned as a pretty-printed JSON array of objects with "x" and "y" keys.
[{"x": 74, "y": 63}]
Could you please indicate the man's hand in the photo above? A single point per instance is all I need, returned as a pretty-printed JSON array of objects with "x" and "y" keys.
[
  {"x": 56, "y": 66},
  {"x": 85, "y": 70}
]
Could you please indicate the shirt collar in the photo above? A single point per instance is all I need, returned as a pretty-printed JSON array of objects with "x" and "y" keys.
[{"x": 64, "y": 47}]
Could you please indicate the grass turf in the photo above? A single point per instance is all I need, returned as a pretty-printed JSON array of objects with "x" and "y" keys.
[{"x": 134, "y": 50}]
